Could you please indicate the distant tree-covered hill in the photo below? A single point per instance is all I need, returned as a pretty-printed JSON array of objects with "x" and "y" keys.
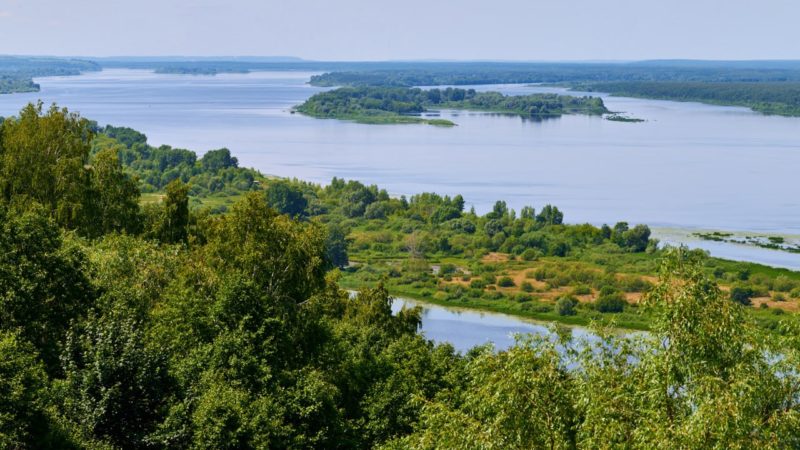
[
  {"x": 17, "y": 73},
  {"x": 781, "y": 98}
]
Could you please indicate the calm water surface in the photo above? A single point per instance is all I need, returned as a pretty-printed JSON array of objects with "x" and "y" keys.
[
  {"x": 689, "y": 166},
  {"x": 467, "y": 328}
]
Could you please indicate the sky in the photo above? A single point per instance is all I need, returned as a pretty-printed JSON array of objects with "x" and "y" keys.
[{"x": 527, "y": 30}]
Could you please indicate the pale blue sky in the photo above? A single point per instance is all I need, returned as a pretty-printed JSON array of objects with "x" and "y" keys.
[{"x": 406, "y": 29}]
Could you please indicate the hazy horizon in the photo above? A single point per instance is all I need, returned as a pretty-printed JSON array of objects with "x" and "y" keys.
[
  {"x": 290, "y": 59},
  {"x": 416, "y": 30}
]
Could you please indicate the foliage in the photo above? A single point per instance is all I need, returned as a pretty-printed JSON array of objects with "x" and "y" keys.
[
  {"x": 215, "y": 173},
  {"x": 43, "y": 281},
  {"x": 610, "y": 301},
  {"x": 287, "y": 199},
  {"x": 22, "y": 385},
  {"x": 565, "y": 306},
  {"x": 173, "y": 218},
  {"x": 115, "y": 388}
]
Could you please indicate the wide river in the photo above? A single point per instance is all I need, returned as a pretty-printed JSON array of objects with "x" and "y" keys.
[{"x": 689, "y": 166}]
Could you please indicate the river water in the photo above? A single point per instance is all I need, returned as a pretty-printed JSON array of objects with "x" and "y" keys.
[
  {"x": 465, "y": 329},
  {"x": 689, "y": 166}
]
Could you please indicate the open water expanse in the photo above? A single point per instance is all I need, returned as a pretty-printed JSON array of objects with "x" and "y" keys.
[{"x": 689, "y": 166}]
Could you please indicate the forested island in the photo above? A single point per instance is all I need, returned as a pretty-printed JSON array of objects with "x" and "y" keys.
[
  {"x": 400, "y": 105},
  {"x": 168, "y": 325}
]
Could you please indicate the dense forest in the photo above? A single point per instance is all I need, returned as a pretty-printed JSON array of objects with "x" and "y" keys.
[
  {"x": 396, "y": 104},
  {"x": 124, "y": 326},
  {"x": 782, "y": 98},
  {"x": 212, "y": 180}
]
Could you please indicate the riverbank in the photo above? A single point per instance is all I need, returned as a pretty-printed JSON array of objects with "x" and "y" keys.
[{"x": 542, "y": 316}]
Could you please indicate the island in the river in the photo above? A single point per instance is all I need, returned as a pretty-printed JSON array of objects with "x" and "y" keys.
[
  {"x": 380, "y": 105},
  {"x": 198, "y": 70},
  {"x": 615, "y": 117}
]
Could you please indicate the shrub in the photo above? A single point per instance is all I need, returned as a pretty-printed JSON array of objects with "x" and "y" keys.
[
  {"x": 492, "y": 295},
  {"x": 558, "y": 281},
  {"x": 635, "y": 284},
  {"x": 742, "y": 294},
  {"x": 477, "y": 283},
  {"x": 565, "y": 306},
  {"x": 522, "y": 298},
  {"x": 607, "y": 290},
  {"x": 778, "y": 311},
  {"x": 783, "y": 284},
  {"x": 536, "y": 308},
  {"x": 581, "y": 290},
  {"x": 530, "y": 254},
  {"x": 447, "y": 269},
  {"x": 743, "y": 274},
  {"x": 505, "y": 282},
  {"x": 763, "y": 306},
  {"x": 526, "y": 286},
  {"x": 778, "y": 297},
  {"x": 795, "y": 293},
  {"x": 610, "y": 303}
]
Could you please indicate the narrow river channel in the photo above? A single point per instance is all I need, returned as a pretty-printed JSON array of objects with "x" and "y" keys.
[{"x": 466, "y": 328}]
